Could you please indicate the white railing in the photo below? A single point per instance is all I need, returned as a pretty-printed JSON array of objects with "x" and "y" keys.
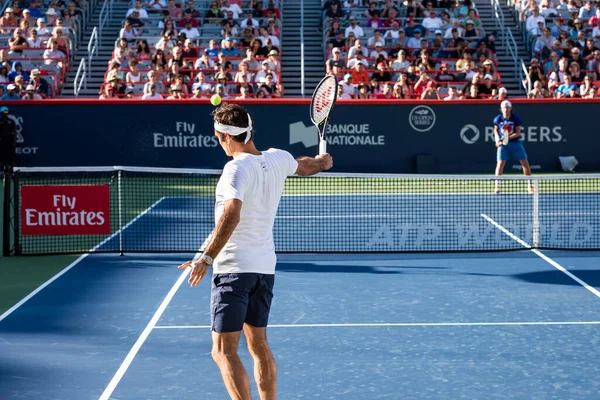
[
  {"x": 105, "y": 15},
  {"x": 525, "y": 78},
  {"x": 80, "y": 78},
  {"x": 302, "y": 48},
  {"x": 508, "y": 40},
  {"x": 92, "y": 48}
]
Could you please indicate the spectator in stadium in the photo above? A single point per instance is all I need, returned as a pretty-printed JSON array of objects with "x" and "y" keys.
[
  {"x": 425, "y": 61},
  {"x": 189, "y": 31},
  {"x": 153, "y": 80},
  {"x": 432, "y": 21},
  {"x": 212, "y": 49},
  {"x": 176, "y": 93},
  {"x": 4, "y": 73},
  {"x": 200, "y": 81},
  {"x": 221, "y": 90},
  {"x": 567, "y": 89},
  {"x": 157, "y": 5},
  {"x": 337, "y": 40},
  {"x": 414, "y": 9},
  {"x": 393, "y": 34},
  {"x": 594, "y": 63},
  {"x": 382, "y": 74},
  {"x": 8, "y": 20},
  {"x": 414, "y": 42},
  {"x": 228, "y": 50},
  {"x": 128, "y": 32},
  {"x": 466, "y": 59},
  {"x": 229, "y": 29},
  {"x": 347, "y": 86},
  {"x": 378, "y": 51},
  {"x": 142, "y": 13},
  {"x": 487, "y": 88},
  {"x": 363, "y": 92},
  {"x": 265, "y": 36},
  {"x": 334, "y": 60},
  {"x": 587, "y": 11},
  {"x": 152, "y": 93},
  {"x": 538, "y": 91},
  {"x": 576, "y": 28},
  {"x": 374, "y": 22},
  {"x": 551, "y": 63},
  {"x": 542, "y": 46},
  {"x": 223, "y": 62},
  {"x": 243, "y": 73},
  {"x": 335, "y": 11},
  {"x": 273, "y": 59},
  {"x": 588, "y": 51},
  {"x": 119, "y": 57},
  {"x": 535, "y": 73},
  {"x": 488, "y": 68},
  {"x": 268, "y": 89},
  {"x": 452, "y": 95},
  {"x": 51, "y": 16},
  {"x": 17, "y": 70},
  {"x": 30, "y": 94},
  {"x": 474, "y": 81},
  {"x": 400, "y": 64},
  {"x": 166, "y": 44},
  {"x": 20, "y": 85},
  {"x": 17, "y": 43},
  {"x": 213, "y": 14},
  {"x": 444, "y": 75},
  {"x": 34, "y": 40},
  {"x": 359, "y": 74},
  {"x": 40, "y": 85},
  {"x": 244, "y": 86},
  {"x": 189, "y": 51},
  {"x": 392, "y": 16},
  {"x": 375, "y": 38},
  {"x": 174, "y": 11},
  {"x": 34, "y": 11},
  {"x": 357, "y": 59},
  {"x": 564, "y": 40},
  {"x": 261, "y": 75},
  {"x": 580, "y": 42},
  {"x": 358, "y": 48},
  {"x": 341, "y": 95},
  {"x": 559, "y": 74},
  {"x": 402, "y": 89},
  {"x": 252, "y": 62},
  {"x": 473, "y": 93},
  {"x": 587, "y": 90},
  {"x": 25, "y": 19},
  {"x": 576, "y": 57},
  {"x": 575, "y": 73},
  {"x": 134, "y": 75},
  {"x": 159, "y": 59},
  {"x": 354, "y": 28},
  {"x": 431, "y": 92},
  {"x": 42, "y": 29},
  {"x": 533, "y": 20},
  {"x": 11, "y": 93}
]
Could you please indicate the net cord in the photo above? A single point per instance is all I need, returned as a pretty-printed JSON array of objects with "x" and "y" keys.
[{"x": 201, "y": 171}]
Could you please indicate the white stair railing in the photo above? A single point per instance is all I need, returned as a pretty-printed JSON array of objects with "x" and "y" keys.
[
  {"x": 80, "y": 78},
  {"x": 92, "y": 48},
  {"x": 105, "y": 15}
]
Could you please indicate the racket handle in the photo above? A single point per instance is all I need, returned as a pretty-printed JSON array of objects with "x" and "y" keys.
[{"x": 322, "y": 146}]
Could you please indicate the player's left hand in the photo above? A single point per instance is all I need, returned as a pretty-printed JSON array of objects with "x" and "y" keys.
[
  {"x": 199, "y": 269},
  {"x": 498, "y": 144}
]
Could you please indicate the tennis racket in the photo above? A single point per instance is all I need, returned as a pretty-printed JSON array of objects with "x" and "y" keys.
[
  {"x": 322, "y": 103},
  {"x": 505, "y": 136}
]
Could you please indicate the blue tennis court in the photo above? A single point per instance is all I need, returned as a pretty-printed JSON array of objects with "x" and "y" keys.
[{"x": 519, "y": 325}]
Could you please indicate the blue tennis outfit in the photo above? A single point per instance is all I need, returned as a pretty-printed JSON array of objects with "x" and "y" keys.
[{"x": 514, "y": 149}]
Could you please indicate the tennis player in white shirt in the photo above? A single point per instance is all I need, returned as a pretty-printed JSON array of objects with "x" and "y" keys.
[{"x": 242, "y": 251}]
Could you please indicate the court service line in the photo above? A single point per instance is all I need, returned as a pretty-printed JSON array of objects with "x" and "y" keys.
[
  {"x": 74, "y": 263},
  {"x": 400, "y": 324},
  {"x": 112, "y": 385},
  {"x": 542, "y": 255}
]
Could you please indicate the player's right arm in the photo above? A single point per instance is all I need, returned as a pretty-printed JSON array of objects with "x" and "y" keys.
[
  {"x": 497, "y": 132},
  {"x": 313, "y": 165}
]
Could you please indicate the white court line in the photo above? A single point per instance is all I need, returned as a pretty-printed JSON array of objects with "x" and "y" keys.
[
  {"x": 400, "y": 324},
  {"x": 74, "y": 263},
  {"x": 112, "y": 385},
  {"x": 542, "y": 255}
]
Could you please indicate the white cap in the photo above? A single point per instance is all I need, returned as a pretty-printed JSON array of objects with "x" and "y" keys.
[
  {"x": 503, "y": 90},
  {"x": 11, "y": 87},
  {"x": 378, "y": 44},
  {"x": 505, "y": 104},
  {"x": 51, "y": 11},
  {"x": 9, "y": 10}
]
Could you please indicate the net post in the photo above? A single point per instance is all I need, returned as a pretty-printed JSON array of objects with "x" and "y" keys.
[
  {"x": 16, "y": 203},
  {"x": 119, "y": 193},
  {"x": 6, "y": 213},
  {"x": 536, "y": 213}
]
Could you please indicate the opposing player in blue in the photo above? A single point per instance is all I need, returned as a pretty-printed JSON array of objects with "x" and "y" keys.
[{"x": 508, "y": 123}]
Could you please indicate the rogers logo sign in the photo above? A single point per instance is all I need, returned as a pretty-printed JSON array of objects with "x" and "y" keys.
[{"x": 65, "y": 210}]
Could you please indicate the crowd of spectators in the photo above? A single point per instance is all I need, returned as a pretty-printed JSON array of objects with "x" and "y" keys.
[
  {"x": 434, "y": 49},
  {"x": 37, "y": 42},
  {"x": 177, "y": 50},
  {"x": 565, "y": 41}
]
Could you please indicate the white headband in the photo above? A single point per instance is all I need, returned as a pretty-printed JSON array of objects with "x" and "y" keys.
[{"x": 236, "y": 130}]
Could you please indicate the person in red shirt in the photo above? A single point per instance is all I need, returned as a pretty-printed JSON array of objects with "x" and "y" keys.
[
  {"x": 273, "y": 9},
  {"x": 359, "y": 74},
  {"x": 392, "y": 18}
]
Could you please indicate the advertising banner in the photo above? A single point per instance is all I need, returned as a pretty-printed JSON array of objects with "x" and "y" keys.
[
  {"x": 371, "y": 137},
  {"x": 65, "y": 210}
]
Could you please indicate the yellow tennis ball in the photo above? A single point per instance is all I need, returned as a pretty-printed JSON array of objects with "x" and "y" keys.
[{"x": 215, "y": 100}]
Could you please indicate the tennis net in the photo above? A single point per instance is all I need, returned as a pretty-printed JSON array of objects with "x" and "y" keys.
[{"x": 128, "y": 209}]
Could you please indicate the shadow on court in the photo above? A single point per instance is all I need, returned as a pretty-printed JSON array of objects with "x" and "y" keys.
[
  {"x": 347, "y": 268},
  {"x": 592, "y": 277}
]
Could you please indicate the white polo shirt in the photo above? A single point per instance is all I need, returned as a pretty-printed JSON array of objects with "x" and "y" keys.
[{"x": 256, "y": 180}]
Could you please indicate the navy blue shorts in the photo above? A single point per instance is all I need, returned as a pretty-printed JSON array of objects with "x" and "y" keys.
[{"x": 240, "y": 298}]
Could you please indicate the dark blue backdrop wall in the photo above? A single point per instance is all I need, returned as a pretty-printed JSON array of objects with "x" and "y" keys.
[{"x": 370, "y": 137}]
